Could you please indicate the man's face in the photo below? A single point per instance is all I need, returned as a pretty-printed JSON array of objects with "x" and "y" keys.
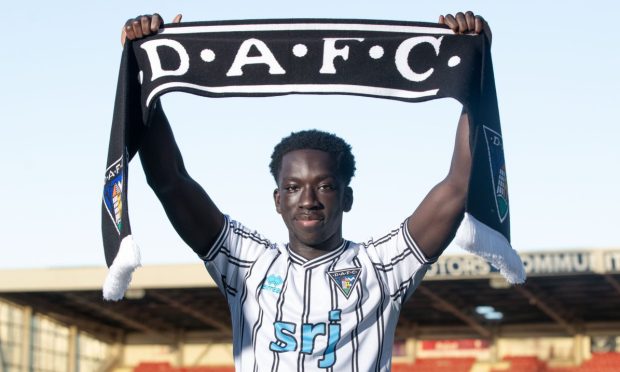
[{"x": 311, "y": 198}]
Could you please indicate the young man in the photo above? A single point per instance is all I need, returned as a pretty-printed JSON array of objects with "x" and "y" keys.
[{"x": 320, "y": 302}]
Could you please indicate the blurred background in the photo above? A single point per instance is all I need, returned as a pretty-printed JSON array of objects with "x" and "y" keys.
[{"x": 557, "y": 81}]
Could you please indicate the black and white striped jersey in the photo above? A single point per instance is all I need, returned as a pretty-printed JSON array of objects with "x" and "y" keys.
[{"x": 337, "y": 312}]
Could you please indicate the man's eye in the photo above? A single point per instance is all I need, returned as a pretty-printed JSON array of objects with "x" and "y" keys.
[
  {"x": 291, "y": 188},
  {"x": 326, "y": 187}
]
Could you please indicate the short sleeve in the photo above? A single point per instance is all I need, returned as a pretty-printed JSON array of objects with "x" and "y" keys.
[
  {"x": 233, "y": 254},
  {"x": 401, "y": 260}
]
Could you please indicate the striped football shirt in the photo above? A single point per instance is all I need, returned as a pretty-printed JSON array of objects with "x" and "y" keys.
[{"x": 336, "y": 312}]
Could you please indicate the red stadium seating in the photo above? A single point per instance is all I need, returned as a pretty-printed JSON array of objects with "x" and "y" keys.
[
  {"x": 166, "y": 367},
  {"x": 436, "y": 365},
  {"x": 600, "y": 362},
  {"x": 153, "y": 367},
  {"x": 523, "y": 364},
  {"x": 208, "y": 369}
]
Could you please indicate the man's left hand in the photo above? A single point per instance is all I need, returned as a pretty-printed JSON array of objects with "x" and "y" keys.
[{"x": 463, "y": 23}]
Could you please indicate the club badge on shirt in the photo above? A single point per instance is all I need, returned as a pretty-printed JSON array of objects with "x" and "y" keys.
[{"x": 345, "y": 279}]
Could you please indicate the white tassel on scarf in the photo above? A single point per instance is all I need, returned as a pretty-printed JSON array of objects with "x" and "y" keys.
[
  {"x": 119, "y": 275},
  {"x": 479, "y": 239}
]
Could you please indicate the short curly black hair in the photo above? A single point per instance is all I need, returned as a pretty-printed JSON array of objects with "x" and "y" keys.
[{"x": 315, "y": 140}]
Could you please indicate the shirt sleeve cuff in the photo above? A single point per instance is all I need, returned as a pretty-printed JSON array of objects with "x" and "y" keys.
[
  {"x": 413, "y": 247},
  {"x": 219, "y": 242}
]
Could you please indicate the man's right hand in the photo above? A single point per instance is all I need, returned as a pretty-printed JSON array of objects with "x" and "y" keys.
[{"x": 141, "y": 26}]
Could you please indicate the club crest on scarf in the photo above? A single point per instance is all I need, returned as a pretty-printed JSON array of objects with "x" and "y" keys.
[
  {"x": 345, "y": 279},
  {"x": 112, "y": 193},
  {"x": 495, "y": 146}
]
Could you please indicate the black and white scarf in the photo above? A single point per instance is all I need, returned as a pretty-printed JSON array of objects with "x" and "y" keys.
[{"x": 405, "y": 61}]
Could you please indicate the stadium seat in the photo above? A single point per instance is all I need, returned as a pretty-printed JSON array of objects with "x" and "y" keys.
[
  {"x": 523, "y": 364},
  {"x": 436, "y": 365},
  {"x": 166, "y": 367},
  {"x": 154, "y": 367},
  {"x": 602, "y": 362}
]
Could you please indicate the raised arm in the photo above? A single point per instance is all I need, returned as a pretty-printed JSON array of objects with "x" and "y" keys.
[
  {"x": 435, "y": 221},
  {"x": 192, "y": 213}
]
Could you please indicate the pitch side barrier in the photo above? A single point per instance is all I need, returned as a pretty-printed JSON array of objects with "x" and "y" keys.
[{"x": 536, "y": 264}]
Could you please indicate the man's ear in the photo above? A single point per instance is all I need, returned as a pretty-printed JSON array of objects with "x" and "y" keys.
[
  {"x": 276, "y": 200},
  {"x": 348, "y": 199}
]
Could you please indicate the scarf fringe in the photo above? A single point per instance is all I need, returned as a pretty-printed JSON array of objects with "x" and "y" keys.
[
  {"x": 479, "y": 239},
  {"x": 120, "y": 272}
]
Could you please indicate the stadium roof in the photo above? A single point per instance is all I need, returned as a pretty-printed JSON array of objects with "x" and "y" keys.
[{"x": 567, "y": 293}]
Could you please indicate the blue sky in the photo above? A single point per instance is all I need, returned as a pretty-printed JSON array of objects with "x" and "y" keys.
[{"x": 557, "y": 80}]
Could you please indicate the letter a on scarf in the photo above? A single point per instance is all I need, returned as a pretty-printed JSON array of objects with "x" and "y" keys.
[{"x": 406, "y": 61}]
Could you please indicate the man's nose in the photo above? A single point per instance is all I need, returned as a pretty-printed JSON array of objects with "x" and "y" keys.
[{"x": 309, "y": 199}]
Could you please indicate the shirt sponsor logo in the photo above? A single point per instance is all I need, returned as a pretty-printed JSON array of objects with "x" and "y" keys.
[
  {"x": 273, "y": 283},
  {"x": 288, "y": 338}
]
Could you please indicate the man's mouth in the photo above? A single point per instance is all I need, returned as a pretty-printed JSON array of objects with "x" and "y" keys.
[{"x": 308, "y": 220}]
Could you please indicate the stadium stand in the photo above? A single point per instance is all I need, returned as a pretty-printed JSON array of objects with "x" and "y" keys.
[
  {"x": 436, "y": 365},
  {"x": 600, "y": 362},
  {"x": 166, "y": 367},
  {"x": 523, "y": 364},
  {"x": 464, "y": 317}
]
